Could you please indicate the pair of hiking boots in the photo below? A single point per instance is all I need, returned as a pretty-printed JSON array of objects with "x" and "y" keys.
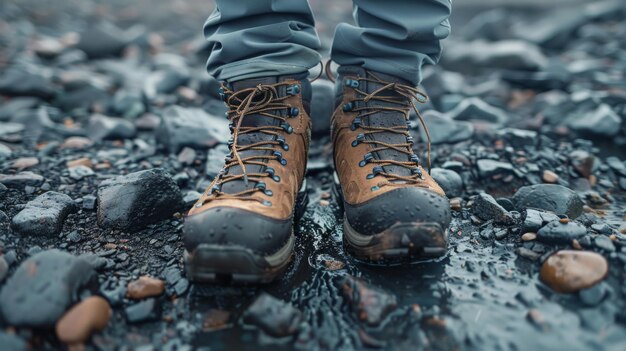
[{"x": 241, "y": 228}]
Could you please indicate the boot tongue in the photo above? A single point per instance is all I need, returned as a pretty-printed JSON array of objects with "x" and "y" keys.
[
  {"x": 385, "y": 119},
  {"x": 254, "y": 120}
]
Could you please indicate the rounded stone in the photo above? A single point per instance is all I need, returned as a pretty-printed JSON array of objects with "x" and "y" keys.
[
  {"x": 569, "y": 271},
  {"x": 145, "y": 287},
  {"x": 89, "y": 316}
]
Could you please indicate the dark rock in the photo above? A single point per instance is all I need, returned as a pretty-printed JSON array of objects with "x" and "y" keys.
[
  {"x": 487, "y": 208},
  {"x": 558, "y": 232},
  {"x": 505, "y": 54},
  {"x": 19, "y": 82},
  {"x": 12, "y": 342},
  {"x": 180, "y": 288},
  {"x": 103, "y": 127},
  {"x": 191, "y": 197},
  {"x": 604, "y": 243},
  {"x": 583, "y": 162},
  {"x": 476, "y": 109},
  {"x": 370, "y": 304},
  {"x": 49, "y": 281},
  {"x": 450, "y": 181},
  {"x": 4, "y": 268},
  {"x": 135, "y": 200},
  {"x": 487, "y": 167},
  {"x": 164, "y": 81},
  {"x": 445, "y": 130},
  {"x": 600, "y": 122},
  {"x": 593, "y": 295},
  {"x": 102, "y": 40},
  {"x": 275, "y": 317},
  {"x": 5, "y": 151},
  {"x": 191, "y": 127},
  {"x": 549, "y": 197},
  {"x": 44, "y": 216},
  {"x": 536, "y": 219},
  {"x": 187, "y": 156},
  {"x": 89, "y": 202},
  {"x": 21, "y": 179},
  {"x": 144, "y": 311},
  {"x": 321, "y": 110},
  {"x": 616, "y": 165},
  {"x": 518, "y": 137}
]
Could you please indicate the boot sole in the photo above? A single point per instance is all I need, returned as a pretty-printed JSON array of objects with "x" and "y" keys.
[
  {"x": 223, "y": 263},
  {"x": 401, "y": 243}
]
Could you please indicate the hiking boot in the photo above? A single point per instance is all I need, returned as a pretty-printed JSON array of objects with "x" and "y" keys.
[
  {"x": 241, "y": 228},
  {"x": 394, "y": 211}
]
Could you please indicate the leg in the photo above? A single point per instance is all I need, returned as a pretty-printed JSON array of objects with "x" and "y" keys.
[
  {"x": 260, "y": 38},
  {"x": 395, "y": 37}
]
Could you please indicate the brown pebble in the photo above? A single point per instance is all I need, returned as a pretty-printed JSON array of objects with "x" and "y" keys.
[
  {"x": 79, "y": 162},
  {"x": 569, "y": 271},
  {"x": 145, "y": 287},
  {"x": 324, "y": 203},
  {"x": 325, "y": 195},
  {"x": 564, "y": 220},
  {"x": 24, "y": 162},
  {"x": 576, "y": 244},
  {"x": 89, "y": 316},
  {"x": 529, "y": 236},
  {"x": 455, "y": 203},
  {"x": 76, "y": 143},
  {"x": 215, "y": 319},
  {"x": 550, "y": 177},
  {"x": 333, "y": 265},
  {"x": 110, "y": 246}
]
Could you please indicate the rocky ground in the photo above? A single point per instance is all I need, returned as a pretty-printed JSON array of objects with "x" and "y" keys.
[{"x": 109, "y": 129}]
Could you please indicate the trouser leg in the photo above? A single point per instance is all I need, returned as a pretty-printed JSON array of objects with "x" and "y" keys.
[
  {"x": 257, "y": 38},
  {"x": 395, "y": 37}
]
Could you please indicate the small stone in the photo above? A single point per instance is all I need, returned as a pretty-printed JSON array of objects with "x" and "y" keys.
[
  {"x": 80, "y": 172},
  {"x": 187, "y": 156},
  {"x": 550, "y": 177},
  {"x": 333, "y": 265},
  {"x": 487, "y": 208},
  {"x": 191, "y": 127},
  {"x": 89, "y": 202},
  {"x": 529, "y": 236},
  {"x": 275, "y": 317},
  {"x": 449, "y": 180},
  {"x": 102, "y": 39},
  {"x": 12, "y": 342},
  {"x": 79, "y": 162},
  {"x": 135, "y": 200},
  {"x": 4, "y": 268},
  {"x": 571, "y": 271},
  {"x": 103, "y": 127},
  {"x": 191, "y": 197},
  {"x": 145, "y": 287},
  {"x": 456, "y": 204},
  {"x": 561, "y": 233},
  {"x": 535, "y": 219},
  {"x": 215, "y": 319},
  {"x": 146, "y": 310},
  {"x": 24, "y": 162},
  {"x": 527, "y": 253},
  {"x": 21, "y": 179},
  {"x": 593, "y": 295},
  {"x": 600, "y": 122},
  {"x": 487, "y": 167},
  {"x": 370, "y": 304},
  {"x": 21, "y": 82},
  {"x": 604, "y": 243},
  {"x": 87, "y": 317},
  {"x": 76, "y": 143},
  {"x": 49, "y": 281},
  {"x": 472, "y": 109},
  {"x": 44, "y": 216},
  {"x": 583, "y": 162},
  {"x": 550, "y": 197}
]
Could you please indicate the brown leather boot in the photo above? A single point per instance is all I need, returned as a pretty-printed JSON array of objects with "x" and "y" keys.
[
  {"x": 394, "y": 211},
  {"x": 241, "y": 229}
]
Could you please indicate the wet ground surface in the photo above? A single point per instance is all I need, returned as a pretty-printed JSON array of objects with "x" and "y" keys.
[{"x": 509, "y": 108}]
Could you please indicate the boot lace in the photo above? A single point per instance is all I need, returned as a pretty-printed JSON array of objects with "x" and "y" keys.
[{"x": 261, "y": 100}]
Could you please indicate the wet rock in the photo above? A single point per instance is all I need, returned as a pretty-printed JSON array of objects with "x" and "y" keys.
[
  {"x": 5, "y": 151},
  {"x": 164, "y": 81},
  {"x": 44, "y": 216},
  {"x": 549, "y": 197},
  {"x": 558, "y": 232},
  {"x": 146, "y": 310},
  {"x": 21, "y": 179},
  {"x": 89, "y": 202},
  {"x": 504, "y": 54},
  {"x": 529, "y": 236},
  {"x": 191, "y": 197},
  {"x": 487, "y": 167},
  {"x": 103, "y": 39},
  {"x": 105, "y": 128},
  {"x": 487, "y": 208},
  {"x": 536, "y": 219},
  {"x": 87, "y": 317},
  {"x": 24, "y": 162},
  {"x": 135, "y": 200},
  {"x": 602, "y": 121},
  {"x": 570, "y": 271},
  {"x": 518, "y": 137},
  {"x": 450, "y": 181},
  {"x": 215, "y": 160},
  {"x": 12, "y": 342},
  {"x": 145, "y": 287},
  {"x": 616, "y": 165},
  {"x": 275, "y": 317},
  {"x": 321, "y": 110},
  {"x": 76, "y": 143},
  {"x": 19, "y": 82},
  {"x": 187, "y": 156},
  {"x": 4, "y": 268},
  {"x": 79, "y": 172},
  {"x": 604, "y": 243},
  {"x": 472, "y": 109},
  {"x": 445, "y": 130},
  {"x": 191, "y": 127},
  {"x": 51, "y": 281},
  {"x": 370, "y": 304},
  {"x": 593, "y": 295},
  {"x": 550, "y": 177}
]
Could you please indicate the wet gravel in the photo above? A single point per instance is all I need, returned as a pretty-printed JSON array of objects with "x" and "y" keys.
[{"x": 529, "y": 131}]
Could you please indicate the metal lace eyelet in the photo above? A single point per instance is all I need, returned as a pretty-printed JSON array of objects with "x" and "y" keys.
[
  {"x": 348, "y": 107},
  {"x": 267, "y": 203},
  {"x": 268, "y": 192},
  {"x": 355, "y": 123},
  {"x": 374, "y": 188},
  {"x": 293, "y": 89},
  {"x": 294, "y": 112},
  {"x": 351, "y": 83}
]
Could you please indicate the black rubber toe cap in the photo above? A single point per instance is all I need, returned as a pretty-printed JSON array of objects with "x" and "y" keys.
[
  {"x": 234, "y": 227},
  {"x": 403, "y": 205}
]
